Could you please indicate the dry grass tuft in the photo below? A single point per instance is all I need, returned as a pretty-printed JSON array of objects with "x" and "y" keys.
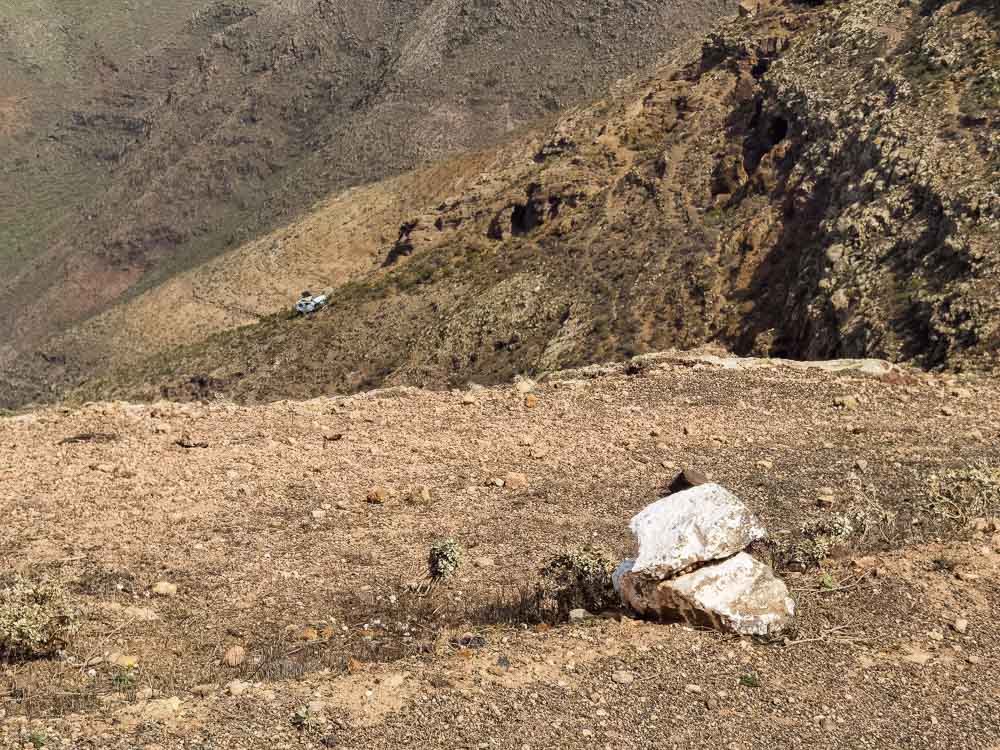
[{"x": 958, "y": 496}]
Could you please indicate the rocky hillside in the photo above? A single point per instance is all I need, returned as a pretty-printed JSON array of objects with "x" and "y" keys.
[
  {"x": 812, "y": 181},
  {"x": 234, "y": 117}
]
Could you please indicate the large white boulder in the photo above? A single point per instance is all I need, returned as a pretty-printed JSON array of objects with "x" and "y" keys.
[
  {"x": 739, "y": 595},
  {"x": 698, "y": 525}
]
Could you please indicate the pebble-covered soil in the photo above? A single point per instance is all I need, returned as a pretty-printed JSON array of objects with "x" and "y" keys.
[{"x": 255, "y": 577}]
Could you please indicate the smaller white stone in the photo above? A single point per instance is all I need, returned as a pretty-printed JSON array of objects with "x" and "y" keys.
[
  {"x": 165, "y": 588},
  {"x": 625, "y": 566},
  {"x": 237, "y": 687},
  {"x": 740, "y": 594}
]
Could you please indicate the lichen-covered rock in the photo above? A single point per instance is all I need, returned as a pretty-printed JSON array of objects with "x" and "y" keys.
[
  {"x": 739, "y": 595},
  {"x": 698, "y": 525}
]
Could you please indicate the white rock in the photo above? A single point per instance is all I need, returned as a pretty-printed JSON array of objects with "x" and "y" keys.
[
  {"x": 740, "y": 595},
  {"x": 141, "y": 614},
  {"x": 165, "y": 588},
  {"x": 237, "y": 687},
  {"x": 701, "y": 524},
  {"x": 515, "y": 481},
  {"x": 524, "y": 385},
  {"x": 163, "y": 709},
  {"x": 625, "y": 566}
]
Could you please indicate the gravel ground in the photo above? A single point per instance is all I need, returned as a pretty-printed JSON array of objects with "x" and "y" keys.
[{"x": 261, "y": 517}]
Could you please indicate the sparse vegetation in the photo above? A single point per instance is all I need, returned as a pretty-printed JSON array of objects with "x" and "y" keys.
[
  {"x": 304, "y": 718},
  {"x": 124, "y": 680},
  {"x": 944, "y": 565},
  {"x": 579, "y": 578},
  {"x": 816, "y": 540},
  {"x": 751, "y": 680},
  {"x": 951, "y": 501},
  {"x": 958, "y": 496},
  {"x": 36, "y": 617},
  {"x": 982, "y": 95},
  {"x": 444, "y": 559}
]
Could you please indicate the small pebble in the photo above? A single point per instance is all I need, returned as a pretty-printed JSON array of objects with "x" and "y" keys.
[{"x": 164, "y": 588}]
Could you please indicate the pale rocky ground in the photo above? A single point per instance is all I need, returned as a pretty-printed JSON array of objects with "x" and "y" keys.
[{"x": 268, "y": 538}]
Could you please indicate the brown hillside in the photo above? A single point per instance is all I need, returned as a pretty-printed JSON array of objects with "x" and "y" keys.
[
  {"x": 263, "y": 526},
  {"x": 810, "y": 184},
  {"x": 283, "y": 104}
]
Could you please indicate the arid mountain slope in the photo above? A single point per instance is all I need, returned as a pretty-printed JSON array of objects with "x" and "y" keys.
[
  {"x": 811, "y": 182},
  {"x": 75, "y": 79},
  {"x": 287, "y": 102}
]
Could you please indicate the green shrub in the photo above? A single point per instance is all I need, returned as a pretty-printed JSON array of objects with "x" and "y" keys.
[
  {"x": 445, "y": 558},
  {"x": 815, "y": 542},
  {"x": 36, "y": 618},
  {"x": 961, "y": 495},
  {"x": 751, "y": 680}
]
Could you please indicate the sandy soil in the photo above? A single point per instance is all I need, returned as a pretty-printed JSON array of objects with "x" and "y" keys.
[{"x": 264, "y": 526}]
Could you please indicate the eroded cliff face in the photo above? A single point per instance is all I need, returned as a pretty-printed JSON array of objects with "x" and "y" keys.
[
  {"x": 887, "y": 180},
  {"x": 814, "y": 180},
  {"x": 823, "y": 182}
]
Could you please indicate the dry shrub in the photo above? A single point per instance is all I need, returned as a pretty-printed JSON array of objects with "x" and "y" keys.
[
  {"x": 951, "y": 501},
  {"x": 579, "y": 579},
  {"x": 961, "y": 495},
  {"x": 814, "y": 542},
  {"x": 444, "y": 559},
  {"x": 36, "y": 617}
]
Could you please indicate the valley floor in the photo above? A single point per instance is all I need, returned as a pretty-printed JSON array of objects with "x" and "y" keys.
[{"x": 299, "y": 532}]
